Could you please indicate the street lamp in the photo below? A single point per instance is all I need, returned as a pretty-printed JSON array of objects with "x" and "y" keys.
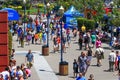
[
  {"x": 110, "y": 19},
  {"x": 45, "y": 48},
  {"x": 24, "y": 2},
  {"x": 63, "y": 65},
  {"x": 48, "y": 16},
  {"x": 61, "y": 13}
]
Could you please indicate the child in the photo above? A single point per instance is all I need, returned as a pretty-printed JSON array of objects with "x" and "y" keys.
[{"x": 75, "y": 68}]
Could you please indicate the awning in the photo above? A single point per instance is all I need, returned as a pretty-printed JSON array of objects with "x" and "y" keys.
[{"x": 12, "y": 14}]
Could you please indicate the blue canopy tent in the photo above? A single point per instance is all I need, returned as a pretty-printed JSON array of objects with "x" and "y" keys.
[
  {"x": 70, "y": 17},
  {"x": 12, "y": 14}
]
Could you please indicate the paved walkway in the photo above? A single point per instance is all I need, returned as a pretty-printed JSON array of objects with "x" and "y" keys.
[
  {"x": 46, "y": 67},
  {"x": 41, "y": 66}
]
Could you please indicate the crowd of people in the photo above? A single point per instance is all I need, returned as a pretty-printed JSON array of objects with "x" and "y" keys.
[
  {"x": 90, "y": 40},
  {"x": 36, "y": 32},
  {"x": 18, "y": 72}
]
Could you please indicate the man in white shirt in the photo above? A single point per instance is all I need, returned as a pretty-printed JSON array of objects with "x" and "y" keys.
[
  {"x": 112, "y": 57},
  {"x": 99, "y": 55},
  {"x": 6, "y": 74}
]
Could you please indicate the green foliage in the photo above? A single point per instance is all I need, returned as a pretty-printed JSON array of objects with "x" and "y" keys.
[
  {"x": 40, "y": 5},
  {"x": 82, "y": 5},
  {"x": 89, "y": 24},
  {"x": 10, "y": 42},
  {"x": 115, "y": 21}
]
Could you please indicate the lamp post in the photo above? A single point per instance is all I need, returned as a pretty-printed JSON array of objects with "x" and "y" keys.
[
  {"x": 48, "y": 16},
  {"x": 61, "y": 51},
  {"x": 45, "y": 48},
  {"x": 111, "y": 18},
  {"x": 63, "y": 65},
  {"x": 24, "y": 2}
]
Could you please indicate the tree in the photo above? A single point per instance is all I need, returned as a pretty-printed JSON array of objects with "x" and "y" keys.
[
  {"x": 92, "y": 9},
  {"x": 115, "y": 15},
  {"x": 88, "y": 7}
]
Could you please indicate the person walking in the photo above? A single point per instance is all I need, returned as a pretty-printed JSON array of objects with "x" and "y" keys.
[
  {"x": 89, "y": 55},
  {"x": 22, "y": 39},
  {"x": 29, "y": 59},
  {"x": 33, "y": 34},
  {"x": 116, "y": 60},
  {"x": 80, "y": 41},
  {"x": 82, "y": 62},
  {"x": 86, "y": 41},
  {"x": 75, "y": 68},
  {"x": 98, "y": 43},
  {"x": 29, "y": 37},
  {"x": 93, "y": 39},
  {"x": 99, "y": 55},
  {"x": 112, "y": 57}
]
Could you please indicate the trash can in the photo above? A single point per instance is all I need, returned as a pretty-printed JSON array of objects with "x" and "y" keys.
[
  {"x": 63, "y": 68},
  {"x": 45, "y": 50}
]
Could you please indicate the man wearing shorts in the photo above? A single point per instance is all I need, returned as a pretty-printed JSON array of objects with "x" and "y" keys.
[{"x": 29, "y": 59}]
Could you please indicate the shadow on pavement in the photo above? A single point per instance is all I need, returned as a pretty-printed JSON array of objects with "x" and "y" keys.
[
  {"x": 109, "y": 48},
  {"x": 40, "y": 55},
  {"x": 78, "y": 49},
  {"x": 94, "y": 65},
  {"x": 106, "y": 70},
  {"x": 20, "y": 47},
  {"x": 72, "y": 77},
  {"x": 75, "y": 42},
  {"x": 47, "y": 71},
  {"x": 60, "y": 74}
]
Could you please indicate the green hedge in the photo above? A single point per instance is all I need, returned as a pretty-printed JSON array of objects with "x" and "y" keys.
[
  {"x": 10, "y": 41},
  {"x": 89, "y": 24}
]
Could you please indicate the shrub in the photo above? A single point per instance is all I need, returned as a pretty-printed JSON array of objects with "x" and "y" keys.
[
  {"x": 89, "y": 24},
  {"x": 9, "y": 42}
]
